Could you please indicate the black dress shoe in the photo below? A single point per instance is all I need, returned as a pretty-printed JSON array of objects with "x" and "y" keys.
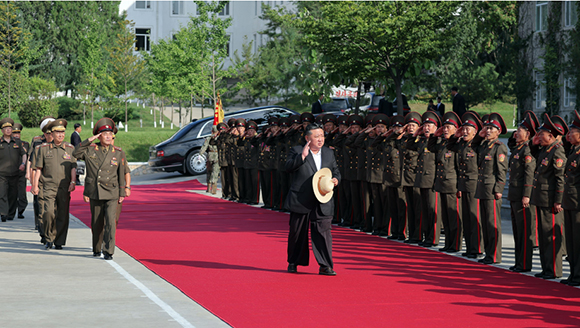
[
  {"x": 108, "y": 256},
  {"x": 464, "y": 254},
  {"x": 574, "y": 283},
  {"x": 97, "y": 254},
  {"x": 392, "y": 237},
  {"x": 539, "y": 275},
  {"x": 411, "y": 241},
  {"x": 292, "y": 268},
  {"x": 550, "y": 277},
  {"x": 443, "y": 249},
  {"x": 21, "y": 214},
  {"x": 3, "y": 218},
  {"x": 367, "y": 230},
  {"x": 10, "y": 219},
  {"x": 565, "y": 281},
  {"x": 58, "y": 247},
  {"x": 427, "y": 245},
  {"x": 342, "y": 224},
  {"x": 48, "y": 245},
  {"x": 487, "y": 260},
  {"x": 512, "y": 268},
  {"x": 451, "y": 250},
  {"x": 43, "y": 240},
  {"x": 326, "y": 271},
  {"x": 383, "y": 234},
  {"x": 401, "y": 238},
  {"x": 375, "y": 233},
  {"x": 471, "y": 256},
  {"x": 522, "y": 270}
]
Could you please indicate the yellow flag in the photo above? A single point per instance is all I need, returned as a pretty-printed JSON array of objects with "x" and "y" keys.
[{"x": 218, "y": 115}]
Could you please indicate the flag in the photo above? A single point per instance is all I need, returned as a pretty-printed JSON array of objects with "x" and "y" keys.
[{"x": 218, "y": 115}]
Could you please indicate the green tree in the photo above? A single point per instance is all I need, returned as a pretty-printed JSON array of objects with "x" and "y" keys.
[
  {"x": 14, "y": 58},
  {"x": 125, "y": 64},
  {"x": 40, "y": 102}
]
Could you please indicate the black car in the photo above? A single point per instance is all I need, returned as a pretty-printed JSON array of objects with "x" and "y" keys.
[
  {"x": 181, "y": 151},
  {"x": 339, "y": 105}
]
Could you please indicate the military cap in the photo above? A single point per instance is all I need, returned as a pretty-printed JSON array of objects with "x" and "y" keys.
[
  {"x": 318, "y": 119},
  {"x": 397, "y": 120},
  {"x": 451, "y": 118},
  {"x": 496, "y": 120},
  {"x": 58, "y": 125},
  {"x": 294, "y": 119},
  {"x": 231, "y": 122},
  {"x": 529, "y": 123},
  {"x": 342, "y": 119},
  {"x": 369, "y": 119},
  {"x": 381, "y": 119},
  {"x": 306, "y": 117},
  {"x": 273, "y": 121},
  {"x": 221, "y": 126},
  {"x": 240, "y": 123},
  {"x": 104, "y": 124},
  {"x": 284, "y": 122},
  {"x": 471, "y": 118},
  {"x": 44, "y": 122},
  {"x": 431, "y": 117},
  {"x": 550, "y": 127},
  {"x": 534, "y": 118},
  {"x": 559, "y": 122},
  {"x": 329, "y": 118},
  {"x": 355, "y": 119},
  {"x": 252, "y": 125},
  {"x": 485, "y": 119},
  {"x": 413, "y": 117},
  {"x": 6, "y": 122},
  {"x": 115, "y": 130},
  {"x": 17, "y": 128},
  {"x": 576, "y": 122}
]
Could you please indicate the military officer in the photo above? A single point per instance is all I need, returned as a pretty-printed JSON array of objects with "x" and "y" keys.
[
  {"x": 104, "y": 184},
  {"x": 491, "y": 178},
  {"x": 278, "y": 141},
  {"x": 12, "y": 163},
  {"x": 223, "y": 158},
  {"x": 233, "y": 188},
  {"x": 425, "y": 178},
  {"x": 570, "y": 203},
  {"x": 213, "y": 166},
  {"x": 251, "y": 152},
  {"x": 342, "y": 191},
  {"x": 37, "y": 141},
  {"x": 355, "y": 123},
  {"x": 395, "y": 203},
  {"x": 267, "y": 162},
  {"x": 239, "y": 158},
  {"x": 521, "y": 167},
  {"x": 465, "y": 143},
  {"x": 56, "y": 173},
  {"x": 446, "y": 182},
  {"x": 547, "y": 193},
  {"x": 22, "y": 200}
]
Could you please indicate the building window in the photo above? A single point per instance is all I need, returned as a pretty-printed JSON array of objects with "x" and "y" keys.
[
  {"x": 228, "y": 47},
  {"x": 142, "y": 4},
  {"x": 256, "y": 7},
  {"x": 177, "y": 8},
  {"x": 540, "y": 90},
  {"x": 541, "y": 16},
  {"x": 570, "y": 13},
  {"x": 255, "y": 43},
  {"x": 143, "y": 36},
  {"x": 569, "y": 95},
  {"x": 226, "y": 10}
]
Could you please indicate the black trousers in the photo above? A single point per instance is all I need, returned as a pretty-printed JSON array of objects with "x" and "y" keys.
[
  {"x": 22, "y": 199},
  {"x": 397, "y": 211},
  {"x": 284, "y": 179},
  {"x": 414, "y": 216},
  {"x": 234, "y": 187},
  {"x": 379, "y": 197},
  {"x": 8, "y": 195},
  {"x": 252, "y": 186},
  {"x": 572, "y": 229},
  {"x": 336, "y": 199},
  {"x": 225, "y": 182},
  {"x": 490, "y": 211},
  {"x": 242, "y": 188},
  {"x": 431, "y": 227},
  {"x": 367, "y": 208},
  {"x": 355, "y": 194},
  {"x": 298, "y": 250},
  {"x": 550, "y": 239},
  {"x": 451, "y": 218},
  {"x": 345, "y": 206},
  {"x": 522, "y": 230},
  {"x": 266, "y": 187},
  {"x": 471, "y": 223}
]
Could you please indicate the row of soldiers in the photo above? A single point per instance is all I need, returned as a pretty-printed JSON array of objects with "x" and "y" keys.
[
  {"x": 50, "y": 165},
  {"x": 409, "y": 177}
]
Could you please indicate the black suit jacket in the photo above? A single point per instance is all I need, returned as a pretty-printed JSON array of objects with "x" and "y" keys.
[
  {"x": 459, "y": 105},
  {"x": 75, "y": 139},
  {"x": 316, "y": 108},
  {"x": 440, "y": 109},
  {"x": 301, "y": 198}
]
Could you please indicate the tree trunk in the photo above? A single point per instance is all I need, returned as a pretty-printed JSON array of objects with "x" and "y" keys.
[
  {"x": 180, "y": 114},
  {"x": 191, "y": 113},
  {"x": 202, "y": 101},
  {"x": 126, "y": 127},
  {"x": 154, "y": 113},
  {"x": 357, "y": 104},
  {"x": 399, "y": 91}
]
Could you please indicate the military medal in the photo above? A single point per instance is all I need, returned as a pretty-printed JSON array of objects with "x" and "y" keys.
[
  {"x": 559, "y": 162},
  {"x": 545, "y": 161},
  {"x": 573, "y": 164},
  {"x": 114, "y": 161},
  {"x": 66, "y": 156},
  {"x": 517, "y": 156},
  {"x": 448, "y": 154},
  {"x": 528, "y": 159},
  {"x": 501, "y": 157},
  {"x": 488, "y": 157}
]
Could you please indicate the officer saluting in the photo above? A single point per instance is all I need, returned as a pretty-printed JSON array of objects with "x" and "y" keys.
[
  {"x": 12, "y": 162},
  {"x": 104, "y": 183}
]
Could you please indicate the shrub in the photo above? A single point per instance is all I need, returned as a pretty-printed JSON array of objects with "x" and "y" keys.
[
  {"x": 39, "y": 103},
  {"x": 69, "y": 108}
]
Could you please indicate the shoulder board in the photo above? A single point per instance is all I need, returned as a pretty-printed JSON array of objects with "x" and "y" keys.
[
  {"x": 66, "y": 144},
  {"x": 117, "y": 148},
  {"x": 93, "y": 145},
  {"x": 497, "y": 142},
  {"x": 558, "y": 145},
  {"x": 36, "y": 138},
  {"x": 46, "y": 144}
]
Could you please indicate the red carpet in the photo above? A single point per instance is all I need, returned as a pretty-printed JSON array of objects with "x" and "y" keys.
[{"x": 231, "y": 258}]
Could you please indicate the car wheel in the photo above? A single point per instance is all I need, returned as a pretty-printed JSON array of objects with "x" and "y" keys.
[{"x": 195, "y": 163}]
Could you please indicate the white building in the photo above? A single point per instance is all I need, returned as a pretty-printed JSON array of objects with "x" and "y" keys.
[{"x": 157, "y": 20}]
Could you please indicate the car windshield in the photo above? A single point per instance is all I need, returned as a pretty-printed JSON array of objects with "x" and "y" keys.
[
  {"x": 335, "y": 105},
  {"x": 376, "y": 101}
]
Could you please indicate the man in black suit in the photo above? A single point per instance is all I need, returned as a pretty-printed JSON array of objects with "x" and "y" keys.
[
  {"x": 458, "y": 102},
  {"x": 303, "y": 162},
  {"x": 317, "y": 106},
  {"x": 440, "y": 107},
  {"x": 75, "y": 140}
]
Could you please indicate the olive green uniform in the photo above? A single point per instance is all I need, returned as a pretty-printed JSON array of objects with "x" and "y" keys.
[
  {"x": 22, "y": 201},
  {"x": 36, "y": 141},
  {"x": 572, "y": 213},
  {"x": 223, "y": 163},
  {"x": 10, "y": 160},
  {"x": 266, "y": 168},
  {"x": 412, "y": 194},
  {"x": 104, "y": 184},
  {"x": 55, "y": 164},
  {"x": 213, "y": 167}
]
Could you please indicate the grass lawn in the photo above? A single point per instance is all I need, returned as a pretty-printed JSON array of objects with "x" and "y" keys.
[{"x": 135, "y": 142}]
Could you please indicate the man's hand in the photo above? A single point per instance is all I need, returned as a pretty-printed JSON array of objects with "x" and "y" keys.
[
  {"x": 438, "y": 132},
  {"x": 86, "y": 199},
  {"x": 497, "y": 195},
  {"x": 121, "y": 199},
  {"x": 459, "y": 194},
  {"x": 306, "y": 150},
  {"x": 483, "y": 132},
  {"x": 459, "y": 132},
  {"x": 536, "y": 140},
  {"x": 71, "y": 187},
  {"x": 95, "y": 137},
  {"x": 525, "y": 201},
  {"x": 22, "y": 167},
  {"x": 346, "y": 131},
  {"x": 335, "y": 181},
  {"x": 35, "y": 190},
  {"x": 419, "y": 131},
  {"x": 558, "y": 208}
]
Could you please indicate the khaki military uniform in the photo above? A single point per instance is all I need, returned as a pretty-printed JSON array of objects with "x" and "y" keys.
[
  {"x": 223, "y": 163},
  {"x": 22, "y": 201},
  {"x": 491, "y": 179},
  {"x": 233, "y": 173},
  {"x": 571, "y": 205},
  {"x": 213, "y": 167},
  {"x": 55, "y": 164},
  {"x": 412, "y": 194},
  {"x": 548, "y": 189},
  {"x": 521, "y": 167},
  {"x": 10, "y": 160},
  {"x": 104, "y": 184}
]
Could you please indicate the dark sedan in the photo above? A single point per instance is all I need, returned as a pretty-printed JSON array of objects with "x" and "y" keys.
[{"x": 181, "y": 151}]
